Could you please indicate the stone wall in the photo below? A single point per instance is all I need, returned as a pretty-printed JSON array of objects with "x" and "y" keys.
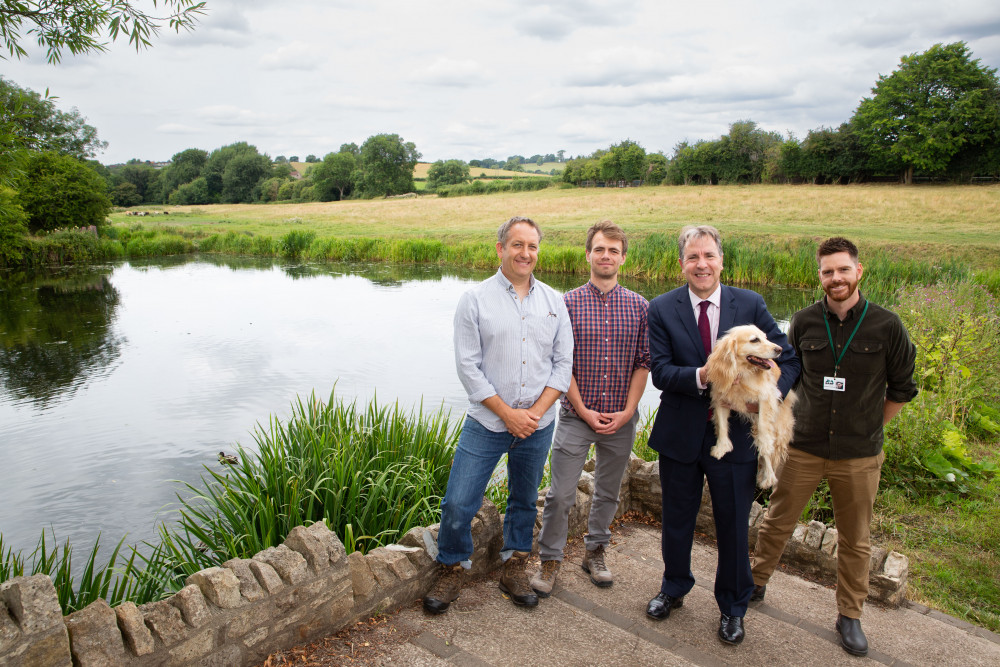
[
  {"x": 236, "y": 614},
  {"x": 308, "y": 587}
]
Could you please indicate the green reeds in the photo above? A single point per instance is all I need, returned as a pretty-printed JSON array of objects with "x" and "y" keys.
[
  {"x": 371, "y": 474},
  {"x": 95, "y": 581}
]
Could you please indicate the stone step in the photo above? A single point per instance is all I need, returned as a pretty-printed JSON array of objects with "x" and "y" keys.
[{"x": 581, "y": 624}]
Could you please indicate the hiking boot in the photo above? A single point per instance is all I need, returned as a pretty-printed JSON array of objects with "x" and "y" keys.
[
  {"x": 514, "y": 580},
  {"x": 446, "y": 589},
  {"x": 545, "y": 578},
  {"x": 593, "y": 564}
]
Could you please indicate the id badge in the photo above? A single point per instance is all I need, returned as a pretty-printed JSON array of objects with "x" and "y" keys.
[{"x": 834, "y": 383}]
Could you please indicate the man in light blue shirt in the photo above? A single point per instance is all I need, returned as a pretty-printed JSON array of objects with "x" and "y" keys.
[{"x": 514, "y": 354}]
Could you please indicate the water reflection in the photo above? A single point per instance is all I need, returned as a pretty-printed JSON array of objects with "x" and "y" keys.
[
  {"x": 116, "y": 379},
  {"x": 55, "y": 332}
]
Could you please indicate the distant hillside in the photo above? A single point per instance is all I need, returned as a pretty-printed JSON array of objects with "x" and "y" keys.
[{"x": 420, "y": 171}]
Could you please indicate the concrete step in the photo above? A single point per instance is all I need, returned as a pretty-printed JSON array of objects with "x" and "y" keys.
[{"x": 581, "y": 624}]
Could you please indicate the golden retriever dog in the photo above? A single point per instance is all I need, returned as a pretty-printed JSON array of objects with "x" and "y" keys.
[{"x": 741, "y": 372}]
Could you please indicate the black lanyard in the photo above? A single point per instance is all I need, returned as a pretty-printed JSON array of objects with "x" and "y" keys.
[{"x": 836, "y": 359}]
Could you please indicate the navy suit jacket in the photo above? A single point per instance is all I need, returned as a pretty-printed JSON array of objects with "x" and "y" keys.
[{"x": 676, "y": 352}]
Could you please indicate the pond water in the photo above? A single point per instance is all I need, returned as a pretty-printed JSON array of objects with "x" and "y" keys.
[{"x": 116, "y": 379}]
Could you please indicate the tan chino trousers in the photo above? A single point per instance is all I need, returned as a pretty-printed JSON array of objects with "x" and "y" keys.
[{"x": 853, "y": 484}]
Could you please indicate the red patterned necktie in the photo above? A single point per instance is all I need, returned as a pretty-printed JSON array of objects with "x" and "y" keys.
[{"x": 704, "y": 328}]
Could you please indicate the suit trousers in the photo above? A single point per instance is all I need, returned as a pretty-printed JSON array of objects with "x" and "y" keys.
[
  {"x": 570, "y": 447},
  {"x": 731, "y": 486},
  {"x": 853, "y": 484}
]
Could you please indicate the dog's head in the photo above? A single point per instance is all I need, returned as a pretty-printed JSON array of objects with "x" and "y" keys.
[
  {"x": 747, "y": 343},
  {"x": 750, "y": 343}
]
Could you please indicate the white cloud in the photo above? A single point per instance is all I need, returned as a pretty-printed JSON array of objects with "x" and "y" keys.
[
  {"x": 450, "y": 72},
  {"x": 296, "y": 55}
]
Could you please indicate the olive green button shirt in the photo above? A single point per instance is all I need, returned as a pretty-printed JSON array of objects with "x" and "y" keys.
[{"x": 878, "y": 365}]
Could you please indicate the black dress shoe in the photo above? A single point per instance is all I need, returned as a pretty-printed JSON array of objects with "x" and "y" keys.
[
  {"x": 660, "y": 606},
  {"x": 852, "y": 637},
  {"x": 731, "y": 629},
  {"x": 758, "y": 593}
]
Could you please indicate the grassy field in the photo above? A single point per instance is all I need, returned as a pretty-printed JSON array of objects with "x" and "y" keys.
[{"x": 923, "y": 222}]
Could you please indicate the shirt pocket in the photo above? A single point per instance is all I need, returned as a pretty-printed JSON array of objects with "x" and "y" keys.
[
  {"x": 817, "y": 359},
  {"x": 865, "y": 357}
]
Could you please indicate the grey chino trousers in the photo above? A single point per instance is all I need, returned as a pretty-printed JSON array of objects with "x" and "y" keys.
[{"x": 570, "y": 447}]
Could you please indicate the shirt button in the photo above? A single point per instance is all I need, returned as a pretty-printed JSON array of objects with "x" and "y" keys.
[
  {"x": 524, "y": 362},
  {"x": 831, "y": 432}
]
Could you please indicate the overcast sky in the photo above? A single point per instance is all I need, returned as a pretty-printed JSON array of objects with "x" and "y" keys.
[{"x": 468, "y": 80}]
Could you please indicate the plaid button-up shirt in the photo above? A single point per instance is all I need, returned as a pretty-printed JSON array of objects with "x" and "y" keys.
[{"x": 610, "y": 341}]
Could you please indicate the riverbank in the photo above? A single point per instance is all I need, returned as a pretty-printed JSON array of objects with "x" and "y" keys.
[{"x": 916, "y": 234}]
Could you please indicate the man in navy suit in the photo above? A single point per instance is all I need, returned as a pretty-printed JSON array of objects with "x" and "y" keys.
[{"x": 683, "y": 325}]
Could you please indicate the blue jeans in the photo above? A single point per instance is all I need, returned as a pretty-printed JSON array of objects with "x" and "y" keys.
[{"x": 479, "y": 450}]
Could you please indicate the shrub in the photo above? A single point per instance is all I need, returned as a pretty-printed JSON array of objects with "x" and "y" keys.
[
  {"x": 58, "y": 191},
  {"x": 956, "y": 330}
]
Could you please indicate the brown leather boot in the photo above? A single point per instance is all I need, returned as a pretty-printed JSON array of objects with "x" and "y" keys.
[
  {"x": 514, "y": 580},
  {"x": 446, "y": 589},
  {"x": 545, "y": 578}
]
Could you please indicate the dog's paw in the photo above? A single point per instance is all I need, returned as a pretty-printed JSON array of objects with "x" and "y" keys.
[
  {"x": 720, "y": 449},
  {"x": 766, "y": 479}
]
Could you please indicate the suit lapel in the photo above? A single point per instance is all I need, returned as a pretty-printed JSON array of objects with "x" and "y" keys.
[
  {"x": 685, "y": 311},
  {"x": 727, "y": 310}
]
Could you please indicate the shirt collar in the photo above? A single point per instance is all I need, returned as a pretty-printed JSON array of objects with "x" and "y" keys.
[
  {"x": 508, "y": 285},
  {"x": 854, "y": 312},
  {"x": 715, "y": 298},
  {"x": 593, "y": 288}
]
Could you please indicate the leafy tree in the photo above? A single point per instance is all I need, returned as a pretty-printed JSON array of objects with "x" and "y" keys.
[
  {"x": 125, "y": 194},
  {"x": 184, "y": 167},
  {"x": 143, "y": 177},
  {"x": 43, "y": 127},
  {"x": 80, "y": 26},
  {"x": 451, "y": 172},
  {"x": 195, "y": 192},
  {"x": 936, "y": 105},
  {"x": 351, "y": 148},
  {"x": 743, "y": 152},
  {"x": 334, "y": 178},
  {"x": 386, "y": 165},
  {"x": 236, "y": 187},
  {"x": 623, "y": 162},
  {"x": 294, "y": 158},
  {"x": 60, "y": 191},
  {"x": 312, "y": 158},
  {"x": 281, "y": 159},
  {"x": 656, "y": 169},
  {"x": 13, "y": 228},
  {"x": 242, "y": 176}
]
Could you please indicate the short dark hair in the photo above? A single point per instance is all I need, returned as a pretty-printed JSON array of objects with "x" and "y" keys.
[
  {"x": 836, "y": 244},
  {"x": 505, "y": 228},
  {"x": 610, "y": 230}
]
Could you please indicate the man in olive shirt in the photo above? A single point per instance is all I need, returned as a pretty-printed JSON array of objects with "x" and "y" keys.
[{"x": 857, "y": 372}]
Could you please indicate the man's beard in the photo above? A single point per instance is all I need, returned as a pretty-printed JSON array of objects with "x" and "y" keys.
[{"x": 852, "y": 287}]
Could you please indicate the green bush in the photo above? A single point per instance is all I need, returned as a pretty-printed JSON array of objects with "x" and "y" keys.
[
  {"x": 57, "y": 192},
  {"x": 295, "y": 242},
  {"x": 956, "y": 330}
]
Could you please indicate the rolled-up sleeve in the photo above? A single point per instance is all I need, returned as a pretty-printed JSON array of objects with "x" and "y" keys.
[
  {"x": 900, "y": 365},
  {"x": 469, "y": 350}
]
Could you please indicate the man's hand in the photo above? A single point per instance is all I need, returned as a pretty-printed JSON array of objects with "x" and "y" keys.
[
  {"x": 612, "y": 421},
  {"x": 521, "y": 423},
  {"x": 592, "y": 418}
]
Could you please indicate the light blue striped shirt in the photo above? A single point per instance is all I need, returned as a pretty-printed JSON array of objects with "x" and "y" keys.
[{"x": 512, "y": 347}]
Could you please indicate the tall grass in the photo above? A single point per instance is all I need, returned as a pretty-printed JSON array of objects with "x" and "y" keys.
[
  {"x": 370, "y": 474},
  {"x": 74, "y": 592}
]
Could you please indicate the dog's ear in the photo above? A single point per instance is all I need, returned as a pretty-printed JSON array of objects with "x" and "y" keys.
[{"x": 721, "y": 367}]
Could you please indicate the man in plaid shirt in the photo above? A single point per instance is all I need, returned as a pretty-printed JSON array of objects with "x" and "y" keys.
[{"x": 610, "y": 367}]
